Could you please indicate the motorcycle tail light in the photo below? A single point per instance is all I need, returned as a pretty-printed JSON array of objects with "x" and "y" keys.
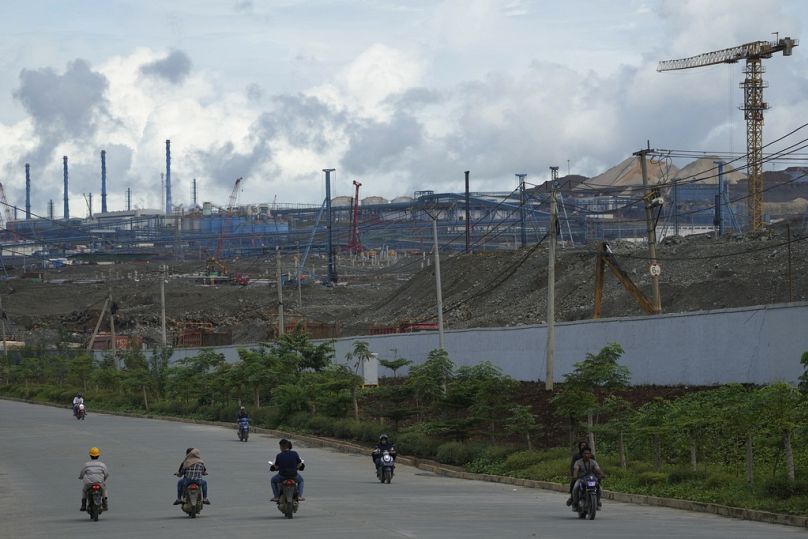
[
  {"x": 193, "y": 486},
  {"x": 289, "y": 482},
  {"x": 96, "y": 487}
]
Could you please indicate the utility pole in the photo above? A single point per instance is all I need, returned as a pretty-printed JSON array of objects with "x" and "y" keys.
[
  {"x": 654, "y": 269},
  {"x": 438, "y": 291},
  {"x": 163, "y": 303},
  {"x": 551, "y": 235},
  {"x": 279, "y": 278},
  {"x": 332, "y": 273},
  {"x": 468, "y": 216},
  {"x": 790, "y": 279},
  {"x": 523, "y": 236},
  {"x": 114, "y": 343},
  {"x": 3, "y": 324}
]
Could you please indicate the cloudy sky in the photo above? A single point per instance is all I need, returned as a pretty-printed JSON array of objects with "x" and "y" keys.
[{"x": 403, "y": 96}]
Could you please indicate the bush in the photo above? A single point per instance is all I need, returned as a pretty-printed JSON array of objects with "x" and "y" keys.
[
  {"x": 652, "y": 478},
  {"x": 717, "y": 480},
  {"x": 682, "y": 475},
  {"x": 458, "y": 453},
  {"x": 523, "y": 459},
  {"x": 547, "y": 470},
  {"x": 414, "y": 443},
  {"x": 781, "y": 488}
]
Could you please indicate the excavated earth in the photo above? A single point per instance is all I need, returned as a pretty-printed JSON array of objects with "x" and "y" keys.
[{"x": 503, "y": 288}]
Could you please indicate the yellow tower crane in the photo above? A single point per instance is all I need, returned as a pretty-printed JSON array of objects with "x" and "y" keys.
[{"x": 753, "y": 104}]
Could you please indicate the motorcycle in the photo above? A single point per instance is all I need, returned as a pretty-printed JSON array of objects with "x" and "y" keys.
[
  {"x": 243, "y": 429},
  {"x": 287, "y": 500},
  {"x": 192, "y": 498},
  {"x": 387, "y": 464},
  {"x": 588, "y": 497},
  {"x": 95, "y": 501},
  {"x": 80, "y": 412}
]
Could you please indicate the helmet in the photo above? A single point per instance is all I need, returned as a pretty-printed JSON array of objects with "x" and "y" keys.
[
  {"x": 95, "y": 452},
  {"x": 384, "y": 437},
  {"x": 242, "y": 408},
  {"x": 285, "y": 443}
]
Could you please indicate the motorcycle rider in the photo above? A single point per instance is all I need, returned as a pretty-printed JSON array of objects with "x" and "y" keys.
[
  {"x": 191, "y": 470},
  {"x": 94, "y": 471},
  {"x": 78, "y": 399},
  {"x": 575, "y": 457},
  {"x": 287, "y": 463},
  {"x": 242, "y": 413},
  {"x": 384, "y": 445},
  {"x": 584, "y": 466}
]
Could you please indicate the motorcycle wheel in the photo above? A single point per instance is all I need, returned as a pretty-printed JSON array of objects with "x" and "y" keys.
[
  {"x": 387, "y": 476},
  {"x": 246, "y": 435},
  {"x": 593, "y": 505},
  {"x": 93, "y": 511}
]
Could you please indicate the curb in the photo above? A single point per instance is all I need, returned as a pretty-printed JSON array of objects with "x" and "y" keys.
[{"x": 459, "y": 473}]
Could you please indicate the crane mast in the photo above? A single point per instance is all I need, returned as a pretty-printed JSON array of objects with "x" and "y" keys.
[{"x": 753, "y": 104}]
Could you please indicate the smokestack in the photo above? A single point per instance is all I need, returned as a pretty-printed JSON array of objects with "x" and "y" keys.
[
  {"x": 168, "y": 177},
  {"x": 103, "y": 181},
  {"x": 66, "y": 213},
  {"x": 128, "y": 199},
  {"x": 50, "y": 210},
  {"x": 27, "y": 191},
  {"x": 194, "y": 194}
]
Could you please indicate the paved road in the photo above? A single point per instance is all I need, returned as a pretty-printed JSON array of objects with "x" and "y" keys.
[{"x": 43, "y": 448}]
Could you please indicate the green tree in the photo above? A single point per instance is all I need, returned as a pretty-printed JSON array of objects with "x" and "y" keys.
[
  {"x": 484, "y": 394},
  {"x": 693, "y": 416},
  {"x": 395, "y": 364},
  {"x": 652, "y": 422},
  {"x": 429, "y": 379},
  {"x": 804, "y": 376},
  {"x": 620, "y": 413},
  {"x": 783, "y": 408},
  {"x": 522, "y": 421},
  {"x": 79, "y": 370},
  {"x": 357, "y": 358},
  {"x": 599, "y": 375}
]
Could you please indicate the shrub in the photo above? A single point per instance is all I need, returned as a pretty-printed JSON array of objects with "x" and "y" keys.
[
  {"x": 652, "y": 478},
  {"x": 523, "y": 459},
  {"x": 547, "y": 470},
  {"x": 458, "y": 453},
  {"x": 681, "y": 475},
  {"x": 781, "y": 488},
  {"x": 414, "y": 443},
  {"x": 719, "y": 479}
]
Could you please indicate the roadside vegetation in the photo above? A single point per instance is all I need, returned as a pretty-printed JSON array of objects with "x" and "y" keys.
[{"x": 735, "y": 445}]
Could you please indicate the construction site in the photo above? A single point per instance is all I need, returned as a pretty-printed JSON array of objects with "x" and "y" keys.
[{"x": 678, "y": 231}]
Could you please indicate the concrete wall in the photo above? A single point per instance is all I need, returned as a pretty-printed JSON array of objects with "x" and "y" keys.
[{"x": 747, "y": 345}]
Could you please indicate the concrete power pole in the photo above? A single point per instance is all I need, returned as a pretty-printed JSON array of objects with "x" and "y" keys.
[
  {"x": 438, "y": 291},
  {"x": 163, "y": 304},
  {"x": 279, "y": 277},
  {"x": 551, "y": 235},
  {"x": 655, "y": 270},
  {"x": 468, "y": 215}
]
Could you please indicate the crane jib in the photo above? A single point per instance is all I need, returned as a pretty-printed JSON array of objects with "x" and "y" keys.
[{"x": 755, "y": 49}]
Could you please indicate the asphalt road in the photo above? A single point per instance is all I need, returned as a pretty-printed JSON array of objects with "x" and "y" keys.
[{"x": 43, "y": 448}]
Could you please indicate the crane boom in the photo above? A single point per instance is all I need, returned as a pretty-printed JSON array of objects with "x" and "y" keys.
[
  {"x": 755, "y": 49},
  {"x": 753, "y": 105},
  {"x": 233, "y": 201}
]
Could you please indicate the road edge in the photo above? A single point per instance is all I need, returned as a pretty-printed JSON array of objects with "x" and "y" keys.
[{"x": 458, "y": 473}]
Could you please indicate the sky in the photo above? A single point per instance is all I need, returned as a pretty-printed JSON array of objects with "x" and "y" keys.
[{"x": 401, "y": 96}]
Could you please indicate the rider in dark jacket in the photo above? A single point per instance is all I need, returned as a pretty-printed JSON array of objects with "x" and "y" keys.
[{"x": 384, "y": 445}]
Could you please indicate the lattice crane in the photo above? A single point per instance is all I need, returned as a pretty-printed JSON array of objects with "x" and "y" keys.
[
  {"x": 753, "y": 105},
  {"x": 232, "y": 203}
]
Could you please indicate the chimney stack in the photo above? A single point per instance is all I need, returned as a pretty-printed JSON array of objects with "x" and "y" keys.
[
  {"x": 66, "y": 214},
  {"x": 168, "y": 177},
  {"x": 27, "y": 191},
  {"x": 103, "y": 181}
]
